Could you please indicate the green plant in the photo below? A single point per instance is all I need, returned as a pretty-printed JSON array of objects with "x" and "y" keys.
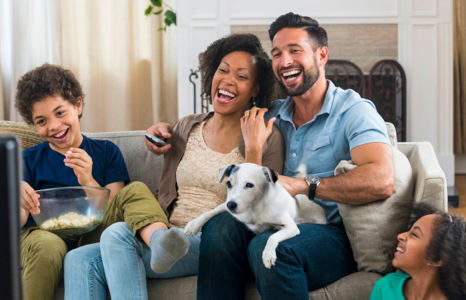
[{"x": 169, "y": 14}]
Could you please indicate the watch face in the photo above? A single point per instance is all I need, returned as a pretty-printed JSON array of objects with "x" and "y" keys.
[{"x": 313, "y": 179}]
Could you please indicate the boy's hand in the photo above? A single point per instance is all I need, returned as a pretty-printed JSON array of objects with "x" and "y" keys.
[
  {"x": 81, "y": 163},
  {"x": 29, "y": 199}
]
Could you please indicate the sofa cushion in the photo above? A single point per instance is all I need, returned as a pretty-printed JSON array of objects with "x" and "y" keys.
[
  {"x": 373, "y": 228},
  {"x": 27, "y": 135},
  {"x": 142, "y": 165},
  {"x": 356, "y": 286},
  {"x": 430, "y": 182}
]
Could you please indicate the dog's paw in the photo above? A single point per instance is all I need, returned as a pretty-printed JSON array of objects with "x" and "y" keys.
[
  {"x": 193, "y": 227},
  {"x": 269, "y": 256}
]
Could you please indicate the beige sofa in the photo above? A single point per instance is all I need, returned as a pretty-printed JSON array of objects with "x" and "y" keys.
[{"x": 430, "y": 186}]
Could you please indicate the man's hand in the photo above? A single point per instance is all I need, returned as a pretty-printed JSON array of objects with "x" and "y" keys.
[
  {"x": 81, "y": 163},
  {"x": 160, "y": 130},
  {"x": 29, "y": 199},
  {"x": 294, "y": 186}
]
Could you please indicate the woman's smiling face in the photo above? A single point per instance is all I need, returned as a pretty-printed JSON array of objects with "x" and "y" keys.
[
  {"x": 234, "y": 83},
  {"x": 412, "y": 246}
]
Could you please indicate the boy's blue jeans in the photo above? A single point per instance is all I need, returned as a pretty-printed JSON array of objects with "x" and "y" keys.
[
  {"x": 230, "y": 253},
  {"x": 42, "y": 252}
]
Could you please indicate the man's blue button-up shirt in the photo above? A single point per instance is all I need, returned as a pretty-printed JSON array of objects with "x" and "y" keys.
[{"x": 345, "y": 121}]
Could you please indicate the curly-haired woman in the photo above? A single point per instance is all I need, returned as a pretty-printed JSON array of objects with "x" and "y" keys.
[
  {"x": 433, "y": 256},
  {"x": 237, "y": 77}
]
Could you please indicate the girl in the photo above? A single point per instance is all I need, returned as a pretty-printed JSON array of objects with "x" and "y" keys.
[{"x": 433, "y": 256}]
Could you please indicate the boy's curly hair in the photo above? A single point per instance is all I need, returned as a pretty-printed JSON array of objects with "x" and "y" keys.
[
  {"x": 210, "y": 59},
  {"x": 46, "y": 81},
  {"x": 448, "y": 245}
]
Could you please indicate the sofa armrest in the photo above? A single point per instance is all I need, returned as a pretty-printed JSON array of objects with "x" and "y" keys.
[
  {"x": 430, "y": 182},
  {"x": 391, "y": 132}
]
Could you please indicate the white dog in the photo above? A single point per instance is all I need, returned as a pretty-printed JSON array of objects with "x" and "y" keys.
[{"x": 257, "y": 199}]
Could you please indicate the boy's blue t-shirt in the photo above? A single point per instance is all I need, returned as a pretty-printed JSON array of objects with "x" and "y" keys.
[{"x": 44, "y": 168}]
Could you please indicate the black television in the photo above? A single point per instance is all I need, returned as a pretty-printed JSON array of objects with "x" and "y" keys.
[{"x": 10, "y": 175}]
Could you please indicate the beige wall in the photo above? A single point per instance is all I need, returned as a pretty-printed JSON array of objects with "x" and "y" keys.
[{"x": 362, "y": 44}]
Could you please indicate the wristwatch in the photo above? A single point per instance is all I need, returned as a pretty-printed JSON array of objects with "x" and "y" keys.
[{"x": 313, "y": 181}]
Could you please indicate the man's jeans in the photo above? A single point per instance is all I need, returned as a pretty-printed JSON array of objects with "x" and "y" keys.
[
  {"x": 120, "y": 262},
  {"x": 317, "y": 257}
]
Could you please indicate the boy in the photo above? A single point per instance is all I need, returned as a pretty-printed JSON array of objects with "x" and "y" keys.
[{"x": 51, "y": 99}]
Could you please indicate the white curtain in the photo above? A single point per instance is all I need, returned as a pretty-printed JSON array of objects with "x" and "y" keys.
[
  {"x": 126, "y": 67},
  {"x": 2, "y": 102},
  {"x": 28, "y": 38}
]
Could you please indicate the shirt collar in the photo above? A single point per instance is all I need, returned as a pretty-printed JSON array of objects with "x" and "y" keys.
[
  {"x": 329, "y": 98},
  {"x": 286, "y": 111}
]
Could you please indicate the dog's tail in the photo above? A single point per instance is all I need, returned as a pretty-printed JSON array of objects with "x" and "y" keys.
[{"x": 301, "y": 172}]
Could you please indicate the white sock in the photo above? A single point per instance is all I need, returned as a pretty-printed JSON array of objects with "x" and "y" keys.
[{"x": 167, "y": 247}]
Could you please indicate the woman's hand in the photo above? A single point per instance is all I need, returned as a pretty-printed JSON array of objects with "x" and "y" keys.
[
  {"x": 29, "y": 199},
  {"x": 255, "y": 133},
  {"x": 81, "y": 163},
  {"x": 160, "y": 130}
]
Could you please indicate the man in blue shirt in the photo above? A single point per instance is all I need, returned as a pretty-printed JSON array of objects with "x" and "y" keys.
[{"x": 321, "y": 125}]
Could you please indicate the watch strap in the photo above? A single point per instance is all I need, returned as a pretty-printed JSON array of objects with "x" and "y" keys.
[{"x": 312, "y": 191}]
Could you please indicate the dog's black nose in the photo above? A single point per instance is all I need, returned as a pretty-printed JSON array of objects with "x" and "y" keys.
[{"x": 231, "y": 205}]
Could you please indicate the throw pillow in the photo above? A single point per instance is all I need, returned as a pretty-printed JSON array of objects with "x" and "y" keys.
[
  {"x": 27, "y": 134},
  {"x": 372, "y": 228}
]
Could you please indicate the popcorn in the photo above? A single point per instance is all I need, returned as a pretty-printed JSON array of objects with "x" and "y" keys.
[{"x": 70, "y": 221}]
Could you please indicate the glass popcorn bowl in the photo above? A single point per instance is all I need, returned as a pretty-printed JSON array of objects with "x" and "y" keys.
[{"x": 71, "y": 210}]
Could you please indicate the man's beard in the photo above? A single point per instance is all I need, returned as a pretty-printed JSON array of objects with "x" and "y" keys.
[{"x": 309, "y": 78}]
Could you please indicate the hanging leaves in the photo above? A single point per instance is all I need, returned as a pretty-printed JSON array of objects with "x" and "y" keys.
[
  {"x": 157, "y": 3},
  {"x": 169, "y": 17},
  {"x": 148, "y": 10}
]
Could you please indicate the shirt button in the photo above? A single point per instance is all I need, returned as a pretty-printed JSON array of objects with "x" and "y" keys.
[{"x": 294, "y": 154}]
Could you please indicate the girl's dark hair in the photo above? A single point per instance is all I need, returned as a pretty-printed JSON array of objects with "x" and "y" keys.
[
  {"x": 448, "y": 245},
  {"x": 46, "y": 81},
  {"x": 290, "y": 20},
  {"x": 210, "y": 59}
]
